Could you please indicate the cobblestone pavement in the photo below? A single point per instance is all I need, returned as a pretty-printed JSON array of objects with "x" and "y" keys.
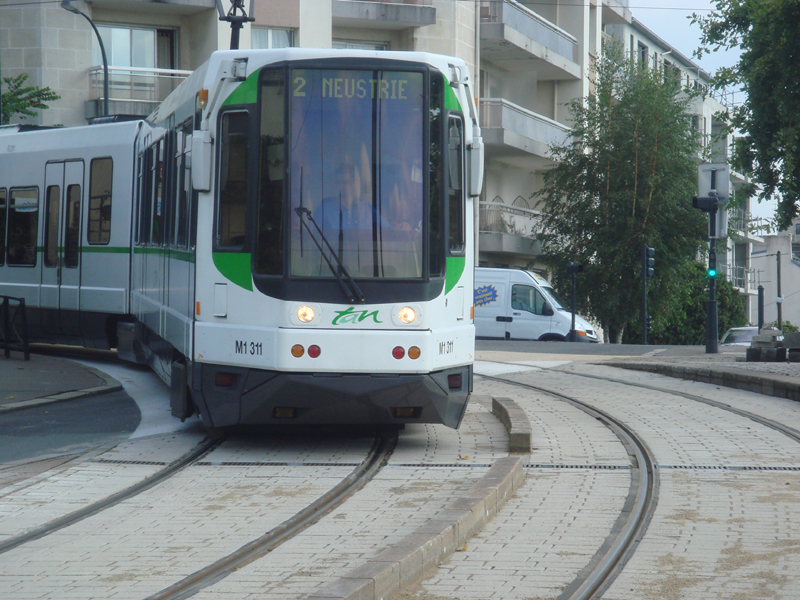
[{"x": 726, "y": 521}]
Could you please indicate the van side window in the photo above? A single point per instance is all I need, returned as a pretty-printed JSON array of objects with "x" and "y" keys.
[{"x": 527, "y": 298}]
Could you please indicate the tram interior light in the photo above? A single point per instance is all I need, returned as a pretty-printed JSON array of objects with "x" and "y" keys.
[
  {"x": 305, "y": 314},
  {"x": 407, "y": 315}
]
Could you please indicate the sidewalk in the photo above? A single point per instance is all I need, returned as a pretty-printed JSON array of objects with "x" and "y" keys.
[{"x": 45, "y": 379}]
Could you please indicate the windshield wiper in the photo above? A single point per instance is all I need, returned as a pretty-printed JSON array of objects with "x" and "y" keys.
[{"x": 349, "y": 287}]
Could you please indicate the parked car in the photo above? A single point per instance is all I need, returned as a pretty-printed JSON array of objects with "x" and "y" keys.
[{"x": 738, "y": 336}]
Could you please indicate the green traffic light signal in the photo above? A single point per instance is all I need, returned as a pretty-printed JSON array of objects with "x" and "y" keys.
[{"x": 712, "y": 273}]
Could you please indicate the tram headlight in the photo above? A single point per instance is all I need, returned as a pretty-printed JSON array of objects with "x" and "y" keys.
[
  {"x": 305, "y": 314},
  {"x": 407, "y": 315}
]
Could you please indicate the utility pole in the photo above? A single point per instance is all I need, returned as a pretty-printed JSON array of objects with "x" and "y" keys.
[{"x": 779, "y": 299}]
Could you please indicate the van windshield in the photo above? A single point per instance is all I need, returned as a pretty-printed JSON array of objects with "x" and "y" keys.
[{"x": 558, "y": 303}]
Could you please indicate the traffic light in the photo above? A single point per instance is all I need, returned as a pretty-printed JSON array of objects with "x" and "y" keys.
[
  {"x": 712, "y": 265},
  {"x": 573, "y": 268},
  {"x": 648, "y": 260},
  {"x": 705, "y": 204},
  {"x": 648, "y": 323}
]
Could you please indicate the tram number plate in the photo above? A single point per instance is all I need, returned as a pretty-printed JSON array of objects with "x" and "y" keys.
[
  {"x": 249, "y": 348},
  {"x": 446, "y": 347}
]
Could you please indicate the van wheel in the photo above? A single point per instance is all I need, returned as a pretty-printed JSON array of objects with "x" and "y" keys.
[{"x": 552, "y": 338}]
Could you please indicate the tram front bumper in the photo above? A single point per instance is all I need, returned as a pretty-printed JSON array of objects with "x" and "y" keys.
[{"x": 257, "y": 397}]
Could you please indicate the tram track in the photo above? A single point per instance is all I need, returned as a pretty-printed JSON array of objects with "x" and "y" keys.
[
  {"x": 621, "y": 544},
  {"x": 636, "y": 512},
  {"x": 189, "y": 458},
  {"x": 376, "y": 458}
]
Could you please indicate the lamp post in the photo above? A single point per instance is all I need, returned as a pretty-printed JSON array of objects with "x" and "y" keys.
[{"x": 67, "y": 6}]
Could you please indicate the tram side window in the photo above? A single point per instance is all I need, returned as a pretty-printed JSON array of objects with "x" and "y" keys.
[
  {"x": 23, "y": 221},
  {"x": 146, "y": 202},
  {"x": 271, "y": 166},
  {"x": 99, "y": 230},
  {"x": 158, "y": 195},
  {"x": 2, "y": 226},
  {"x": 436, "y": 243},
  {"x": 72, "y": 227},
  {"x": 184, "y": 190},
  {"x": 231, "y": 212},
  {"x": 52, "y": 208},
  {"x": 455, "y": 189}
]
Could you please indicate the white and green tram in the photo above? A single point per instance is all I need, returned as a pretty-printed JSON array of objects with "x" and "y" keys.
[{"x": 296, "y": 237}]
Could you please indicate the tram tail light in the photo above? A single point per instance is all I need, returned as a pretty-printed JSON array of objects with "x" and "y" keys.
[
  {"x": 414, "y": 353},
  {"x": 224, "y": 379},
  {"x": 314, "y": 351},
  {"x": 398, "y": 352},
  {"x": 298, "y": 351},
  {"x": 454, "y": 381}
]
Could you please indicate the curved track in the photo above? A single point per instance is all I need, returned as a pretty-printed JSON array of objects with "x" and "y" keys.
[
  {"x": 378, "y": 454},
  {"x": 635, "y": 514},
  {"x": 176, "y": 466}
]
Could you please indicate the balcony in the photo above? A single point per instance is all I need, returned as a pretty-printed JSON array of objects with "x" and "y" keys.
[
  {"x": 616, "y": 12},
  {"x": 383, "y": 14},
  {"x": 747, "y": 227},
  {"x": 508, "y": 229},
  {"x": 518, "y": 136},
  {"x": 131, "y": 90},
  {"x": 516, "y": 39},
  {"x": 743, "y": 278}
]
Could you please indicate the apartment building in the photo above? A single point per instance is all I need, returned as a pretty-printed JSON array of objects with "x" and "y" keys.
[{"x": 530, "y": 59}]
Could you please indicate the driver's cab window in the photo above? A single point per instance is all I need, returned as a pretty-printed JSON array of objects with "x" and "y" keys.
[{"x": 527, "y": 298}]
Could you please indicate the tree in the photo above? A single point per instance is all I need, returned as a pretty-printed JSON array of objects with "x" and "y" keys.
[
  {"x": 680, "y": 317},
  {"x": 625, "y": 178},
  {"x": 769, "y": 73},
  {"x": 20, "y": 100}
]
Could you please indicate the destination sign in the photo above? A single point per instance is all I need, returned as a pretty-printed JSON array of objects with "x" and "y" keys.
[{"x": 340, "y": 84}]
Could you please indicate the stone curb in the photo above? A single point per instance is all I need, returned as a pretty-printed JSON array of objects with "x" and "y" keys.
[
  {"x": 516, "y": 422},
  {"x": 398, "y": 568},
  {"x": 110, "y": 385},
  {"x": 767, "y": 384}
]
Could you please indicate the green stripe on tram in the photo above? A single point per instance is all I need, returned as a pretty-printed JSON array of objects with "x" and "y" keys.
[{"x": 454, "y": 266}]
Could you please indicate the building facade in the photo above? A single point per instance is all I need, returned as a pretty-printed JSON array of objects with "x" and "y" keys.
[{"x": 530, "y": 59}]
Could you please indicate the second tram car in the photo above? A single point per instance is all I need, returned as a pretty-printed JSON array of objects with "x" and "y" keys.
[{"x": 293, "y": 228}]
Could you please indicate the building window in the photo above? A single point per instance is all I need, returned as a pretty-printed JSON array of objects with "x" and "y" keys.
[
  {"x": 356, "y": 45},
  {"x": 263, "y": 37},
  {"x": 135, "y": 47}
]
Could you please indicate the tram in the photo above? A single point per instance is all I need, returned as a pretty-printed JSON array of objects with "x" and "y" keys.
[{"x": 288, "y": 238}]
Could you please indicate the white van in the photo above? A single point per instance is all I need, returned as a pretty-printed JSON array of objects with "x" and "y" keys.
[{"x": 513, "y": 304}]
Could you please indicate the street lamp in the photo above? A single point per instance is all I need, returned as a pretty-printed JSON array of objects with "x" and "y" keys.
[{"x": 67, "y": 6}]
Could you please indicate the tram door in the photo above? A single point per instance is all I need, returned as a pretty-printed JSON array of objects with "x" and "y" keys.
[{"x": 61, "y": 269}]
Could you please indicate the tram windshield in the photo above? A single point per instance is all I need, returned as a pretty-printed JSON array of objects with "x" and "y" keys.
[{"x": 356, "y": 162}]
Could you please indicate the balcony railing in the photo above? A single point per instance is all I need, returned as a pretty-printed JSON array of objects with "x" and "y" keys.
[
  {"x": 742, "y": 277},
  {"x": 531, "y": 25},
  {"x": 135, "y": 84},
  {"x": 515, "y": 219},
  {"x": 498, "y": 113}
]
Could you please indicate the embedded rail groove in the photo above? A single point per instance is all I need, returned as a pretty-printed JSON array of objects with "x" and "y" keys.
[
  {"x": 376, "y": 458},
  {"x": 171, "y": 469},
  {"x": 635, "y": 515}
]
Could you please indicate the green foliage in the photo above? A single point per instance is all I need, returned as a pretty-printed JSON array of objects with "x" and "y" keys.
[
  {"x": 769, "y": 73},
  {"x": 786, "y": 327},
  {"x": 680, "y": 317},
  {"x": 626, "y": 178},
  {"x": 19, "y": 100}
]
